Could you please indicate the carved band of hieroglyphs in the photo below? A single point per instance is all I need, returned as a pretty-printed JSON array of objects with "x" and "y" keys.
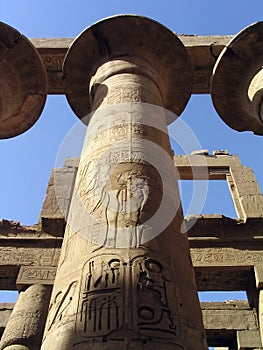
[
  {"x": 100, "y": 310},
  {"x": 25, "y": 256},
  {"x": 225, "y": 256},
  {"x": 53, "y": 62},
  {"x": 154, "y": 300},
  {"x": 33, "y": 275},
  {"x": 107, "y": 281}
]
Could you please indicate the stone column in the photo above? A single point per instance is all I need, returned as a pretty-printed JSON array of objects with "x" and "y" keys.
[
  {"x": 25, "y": 327},
  {"x": 258, "y": 268},
  {"x": 125, "y": 278}
]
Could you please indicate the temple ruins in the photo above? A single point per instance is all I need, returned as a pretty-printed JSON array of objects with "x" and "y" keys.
[{"x": 112, "y": 263}]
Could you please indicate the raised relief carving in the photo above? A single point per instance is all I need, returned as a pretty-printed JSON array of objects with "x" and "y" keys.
[
  {"x": 154, "y": 300},
  {"x": 132, "y": 198},
  {"x": 100, "y": 309},
  {"x": 115, "y": 200}
]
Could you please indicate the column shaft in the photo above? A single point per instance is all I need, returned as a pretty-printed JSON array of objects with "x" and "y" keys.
[
  {"x": 125, "y": 278},
  {"x": 25, "y": 327}
]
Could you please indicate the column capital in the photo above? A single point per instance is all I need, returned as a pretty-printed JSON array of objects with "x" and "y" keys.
[{"x": 129, "y": 38}]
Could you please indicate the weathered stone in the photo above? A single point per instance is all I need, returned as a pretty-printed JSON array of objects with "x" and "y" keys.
[
  {"x": 201, "y": 50},
  {"x": 144, "y": 289},
  {"x": 32, "y": 275},
  {"x": 26, "y": 324},
  {"x": 236, "y": 86},
  {"x": 228, "y": 316},
  {"x": 5, "y": 312},
  {"x": 259, "y": 275},
  {"x": 16, "y": 347},
  {"x": 248, "y": 340},
  {"x": 56, "y": 205},
  {"x": 260, "y": 313},
  {"x": 23, "y": 83}
]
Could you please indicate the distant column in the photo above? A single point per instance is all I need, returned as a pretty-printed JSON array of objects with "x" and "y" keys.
[
  {"x": 125, "y": 278},
  {"x": 25, "y": 327}
]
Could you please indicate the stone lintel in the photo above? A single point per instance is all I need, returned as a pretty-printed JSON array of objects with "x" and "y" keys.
[
  {"x": 229, "y": 318},
  {"x": 202, "y": 50},
  {"x": 223, "y": 278},
  {"x": 223, "y": 228},
  {"x": 204, "y": 167},
  {"x": 221, "y": 320},
  {"x": 225, "y": 305},
  {"x": 225, "y": 267},
  {"x": 31, "y": 251}
]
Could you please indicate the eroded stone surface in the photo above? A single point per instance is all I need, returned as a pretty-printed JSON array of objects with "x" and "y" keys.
[{"x": 26, "y": 324}]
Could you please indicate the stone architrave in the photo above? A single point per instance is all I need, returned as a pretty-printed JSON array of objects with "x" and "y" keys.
[
  {"x": 125, "y": 277},
  {"x": 25, "y": 326}
]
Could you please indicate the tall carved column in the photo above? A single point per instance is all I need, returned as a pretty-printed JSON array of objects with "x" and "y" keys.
[
  {"x": 26, "y": 325},
  {"x": 125, "y": 278}
]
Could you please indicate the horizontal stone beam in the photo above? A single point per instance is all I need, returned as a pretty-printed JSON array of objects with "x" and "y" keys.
[
  {"x": 202, "y": 50},
  {"x": 205, "y": 166},
  {"x": 222, "y": 321},
  {"x": 232, "y": 315},
  {"x": 223, "y": 252}
]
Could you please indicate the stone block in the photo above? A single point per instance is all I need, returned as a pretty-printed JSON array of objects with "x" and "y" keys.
[
  {"x": 29, "y": 275},
  {"x": 56, "y": 205},
  {"x": 248, "y": 340},
  {"x": 259, "y": 275}
]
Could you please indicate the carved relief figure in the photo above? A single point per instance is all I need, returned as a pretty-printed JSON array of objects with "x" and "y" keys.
[
  {"x": 117, "y": 207},
  {"x": 132, "y": 198}
]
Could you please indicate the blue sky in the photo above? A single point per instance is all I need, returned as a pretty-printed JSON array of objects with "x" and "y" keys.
[{"x": 26, "y": 160}]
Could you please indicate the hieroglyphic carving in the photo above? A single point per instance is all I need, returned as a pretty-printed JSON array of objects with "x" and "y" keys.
[
  {"x": 121, "y": 156},
  {"x": 100, "y": 309},
  {"x": 228, "y": 319},
  {"x": 103, "y": 297},
  {"x": 154, "y": 300},
  {"x": 32, "y": 275},
  {"x": 53, "y": 62},
  {"x": 42, "y": 257},
  {"x": 253, "y": 204},
  {"x": 60, "y": 305},
  {"x": 124, "y": 94},
  {"x": 248, "y": 192},
  {"x": 225, "y": 256}
]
